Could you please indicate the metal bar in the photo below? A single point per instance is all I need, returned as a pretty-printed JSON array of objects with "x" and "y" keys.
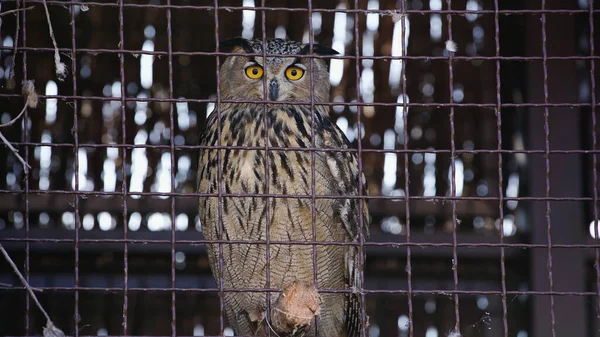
[
  {"x": 312, "y": 153},
  {"x": 219, "y": 175},
  {"x": 555, "y": 316},
  {"x": 172, "y": 167},
  {"x": 134, "y": 52},
  {"x": 453, "y": 169},
  {"x": 547, "y": 171},
  {"x": 234, "y": 147},
  {"x": 76, "y": 163},
  {"x": 433, "y": 199},
  {"x": 594, "y": 156},
  {"x": 26, "y": 138},
  {"x": 490, "y": 106},
  {"x": 263, "y": 20},
  {"x": 361, "y": 220},
  {"x": 322, "y": 10},
  {"x": 500, "y": 174},
  {"x": 406, "y": 173},
  {"x": 391, "y": 289},
  {"x": 204, "y": 283},
  {"x": 124, "y": 171},
  {"x": 155, "y": 241}
]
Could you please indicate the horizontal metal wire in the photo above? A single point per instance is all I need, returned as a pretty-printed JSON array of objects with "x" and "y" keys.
[
  {"x": 390, "y": 244},
  {"x": 315, "y": 9},
  {"x": 137, "y": 52},
  {"x": 331, "y": 104},
  {"x": 321, "y": 290},
  {"x": 83, "y": 194},
  {"x": 303, "y": 149},
  {"x": 351, "y": 104}
]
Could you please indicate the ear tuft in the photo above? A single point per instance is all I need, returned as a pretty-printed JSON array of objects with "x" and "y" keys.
[{"x": 235, "y": 44}]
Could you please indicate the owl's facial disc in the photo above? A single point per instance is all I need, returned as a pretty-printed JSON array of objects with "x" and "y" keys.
[
  {"x": 282, "y": 76},
  {"x": 284, "y": 79}
]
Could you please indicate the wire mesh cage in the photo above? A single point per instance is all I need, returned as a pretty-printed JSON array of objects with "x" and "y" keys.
[{"x": 474, "y": 122}]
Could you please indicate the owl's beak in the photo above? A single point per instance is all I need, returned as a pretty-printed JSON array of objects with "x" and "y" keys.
[{"x": 273, "y": 90}]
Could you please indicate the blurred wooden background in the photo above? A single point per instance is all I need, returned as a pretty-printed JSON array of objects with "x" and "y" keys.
[{"x": 44, "y": 206}]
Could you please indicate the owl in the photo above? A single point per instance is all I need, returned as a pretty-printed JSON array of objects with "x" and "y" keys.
[{"x": 269, "y": 192}]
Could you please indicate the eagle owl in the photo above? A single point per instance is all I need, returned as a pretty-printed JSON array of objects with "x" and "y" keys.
[{"x": 285, "y": 172}]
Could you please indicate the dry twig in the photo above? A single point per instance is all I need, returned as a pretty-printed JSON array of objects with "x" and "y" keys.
[
  {"x": 17, "y": 10},
  {"x": 10, "y": 83},
  {"x": 50, "y": 330},
  {"x": 61, "y": 68},
  {"x": 31, "y": 101}
]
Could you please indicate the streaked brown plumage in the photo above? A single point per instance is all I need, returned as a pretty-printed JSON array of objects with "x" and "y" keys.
[{"x": 288, "y": 172}]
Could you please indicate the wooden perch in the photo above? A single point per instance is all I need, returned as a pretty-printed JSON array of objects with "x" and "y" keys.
[{"x": 293, "y": 312}]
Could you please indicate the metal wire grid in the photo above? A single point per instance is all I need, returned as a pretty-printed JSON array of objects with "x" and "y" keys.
[{"x": 126, "y": 145}]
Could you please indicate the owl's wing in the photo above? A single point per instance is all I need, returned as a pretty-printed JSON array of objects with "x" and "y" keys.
[{"x": 341, "y": 176}]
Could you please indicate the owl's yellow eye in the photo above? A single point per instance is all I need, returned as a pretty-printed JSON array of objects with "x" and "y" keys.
[
  {"x": 294, "y": 73},
  {"x": 254, "y": 72}
]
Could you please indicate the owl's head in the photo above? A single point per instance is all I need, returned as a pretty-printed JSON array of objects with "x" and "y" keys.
[{"x": 287, "y": 77}]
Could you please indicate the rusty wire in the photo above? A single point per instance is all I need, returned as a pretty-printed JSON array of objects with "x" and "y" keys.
[{"x": 30, "y": 199}]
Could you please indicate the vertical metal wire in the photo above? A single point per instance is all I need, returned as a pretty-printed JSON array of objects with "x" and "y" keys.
[
  {"x": 76, "y": 149},
  {"x": 267, "y": 180},
  {"x": 26, "y": 172},
  {"x": 547, "y": 162},
  {"x": 361, "y": 220},
  {"x": 500, "y": 164},
  {"x": 220, "y": 283},
  {"x": 406, "y": 167},
  {"x": 172, "y": 150},
  {"x": 453, "y": 168},
  {"x": 124, "y": 168},
  {"x": 594, "y": 146},
  {"x": 313, "y": 182}
]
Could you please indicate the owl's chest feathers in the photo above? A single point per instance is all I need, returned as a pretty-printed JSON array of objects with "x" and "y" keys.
[
  {"x": 247, "y": 170},
  {"x": 285, "y": 126},
  {"x": 256, "y": 171}
]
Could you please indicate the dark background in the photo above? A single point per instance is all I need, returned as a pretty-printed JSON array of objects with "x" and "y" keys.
[{"x": 113, "y": 258}]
